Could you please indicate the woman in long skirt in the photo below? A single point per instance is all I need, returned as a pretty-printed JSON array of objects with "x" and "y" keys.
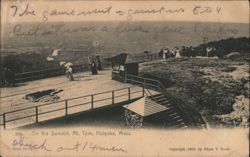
[{"x": 93, "y": 68}]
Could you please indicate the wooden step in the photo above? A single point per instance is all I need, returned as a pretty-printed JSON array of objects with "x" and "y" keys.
[
  {"x": 156, "y": 96},
  {"x": 170, "y": 110},
  {"x": 173, "y": 122},
  {"x": 161, "y": 100},
  {"x": 173, "y": 114},
  {"x": 176, "y": 117},
  {"x": 180, "y": 126},
  {"x": 166, "y": 103}
]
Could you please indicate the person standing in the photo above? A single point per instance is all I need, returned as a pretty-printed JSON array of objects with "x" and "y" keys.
[
  {"x": 99, "y": 63},
  {"x": 4, "y": 77},
  {"x": 69, "y": 73},
  {"x": 93, "y": 67},
  {"x": 9, "y": 77}
]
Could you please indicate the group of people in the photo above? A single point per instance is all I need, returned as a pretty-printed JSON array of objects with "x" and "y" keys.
[
  {"x": 95, "y": 65},
  {"x": 169, "y": 53}
]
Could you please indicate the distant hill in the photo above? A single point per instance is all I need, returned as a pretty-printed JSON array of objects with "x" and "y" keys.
[
  {"x": 116, "y": 37},
  {"x": 226, "y": 46},
  {"x": 36, "y": 41},
  {"x": 223, "y": 47}
]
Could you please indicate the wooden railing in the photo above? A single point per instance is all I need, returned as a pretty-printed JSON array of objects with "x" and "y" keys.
[
  {"x": 45, "y": 73},
  {"x": 50, "y": 72},
  {"x": 145, "y": 57},
  {"x": 70, "y": 106},
  {"x": 145, "y": 82}
]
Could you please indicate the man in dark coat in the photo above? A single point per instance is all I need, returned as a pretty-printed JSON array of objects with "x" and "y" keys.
[
  {"x": 93, "y": 67},
  {"x": 99, "y": 63}
]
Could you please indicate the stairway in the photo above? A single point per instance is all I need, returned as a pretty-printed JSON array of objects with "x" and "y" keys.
[
  {"x": 173, "y": 117},
  {"x": 157, "y": 104},
  {"x": 149, "y": 92}
]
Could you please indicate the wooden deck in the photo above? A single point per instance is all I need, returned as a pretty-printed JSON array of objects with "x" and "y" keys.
[
  {"x": 86, "y": 93},
  {"x": 84, "y": 84}
]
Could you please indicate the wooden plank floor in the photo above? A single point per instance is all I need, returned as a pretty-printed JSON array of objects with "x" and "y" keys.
[{"x": 84, "y": 84}]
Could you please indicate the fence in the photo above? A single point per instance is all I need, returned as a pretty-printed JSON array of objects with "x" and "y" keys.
[
  {"x": 145, "y": 82},
  {"x": 66, "y": 107},
  {"x": 50, "y": 72},
  {"x": 145, "y": 57}
]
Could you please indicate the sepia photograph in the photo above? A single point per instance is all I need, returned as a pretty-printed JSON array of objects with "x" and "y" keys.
[{"x": 108, "y": 71}]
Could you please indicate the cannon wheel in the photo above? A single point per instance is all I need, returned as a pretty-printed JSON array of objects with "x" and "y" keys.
[{"x": 133, "y": 120}]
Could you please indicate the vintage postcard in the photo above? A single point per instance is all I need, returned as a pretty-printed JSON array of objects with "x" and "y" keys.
[{"x": 128, "y": 78}]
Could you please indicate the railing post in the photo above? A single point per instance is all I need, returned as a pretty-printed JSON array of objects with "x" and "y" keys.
[
  {"x": 144, "y": 81},
  {"x": 92, "y": 101},
  {"x": 113, "y": 97},
  {"x": 21, "y": 79},
  {"x": 143, "y": 90},
  {"x": 36, "y": 114},
  {"x": 158, "y": 86},
  {"x": 125, "y": 78},
  {"x": 66, "y": 107},
  {"x": 4, "y": 121},
  {"x": 129, "y": 93},
  {"x": 14, "y": 79}
]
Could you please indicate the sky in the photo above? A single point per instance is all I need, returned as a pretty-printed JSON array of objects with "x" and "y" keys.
[{"x": 206, "y": 11}]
